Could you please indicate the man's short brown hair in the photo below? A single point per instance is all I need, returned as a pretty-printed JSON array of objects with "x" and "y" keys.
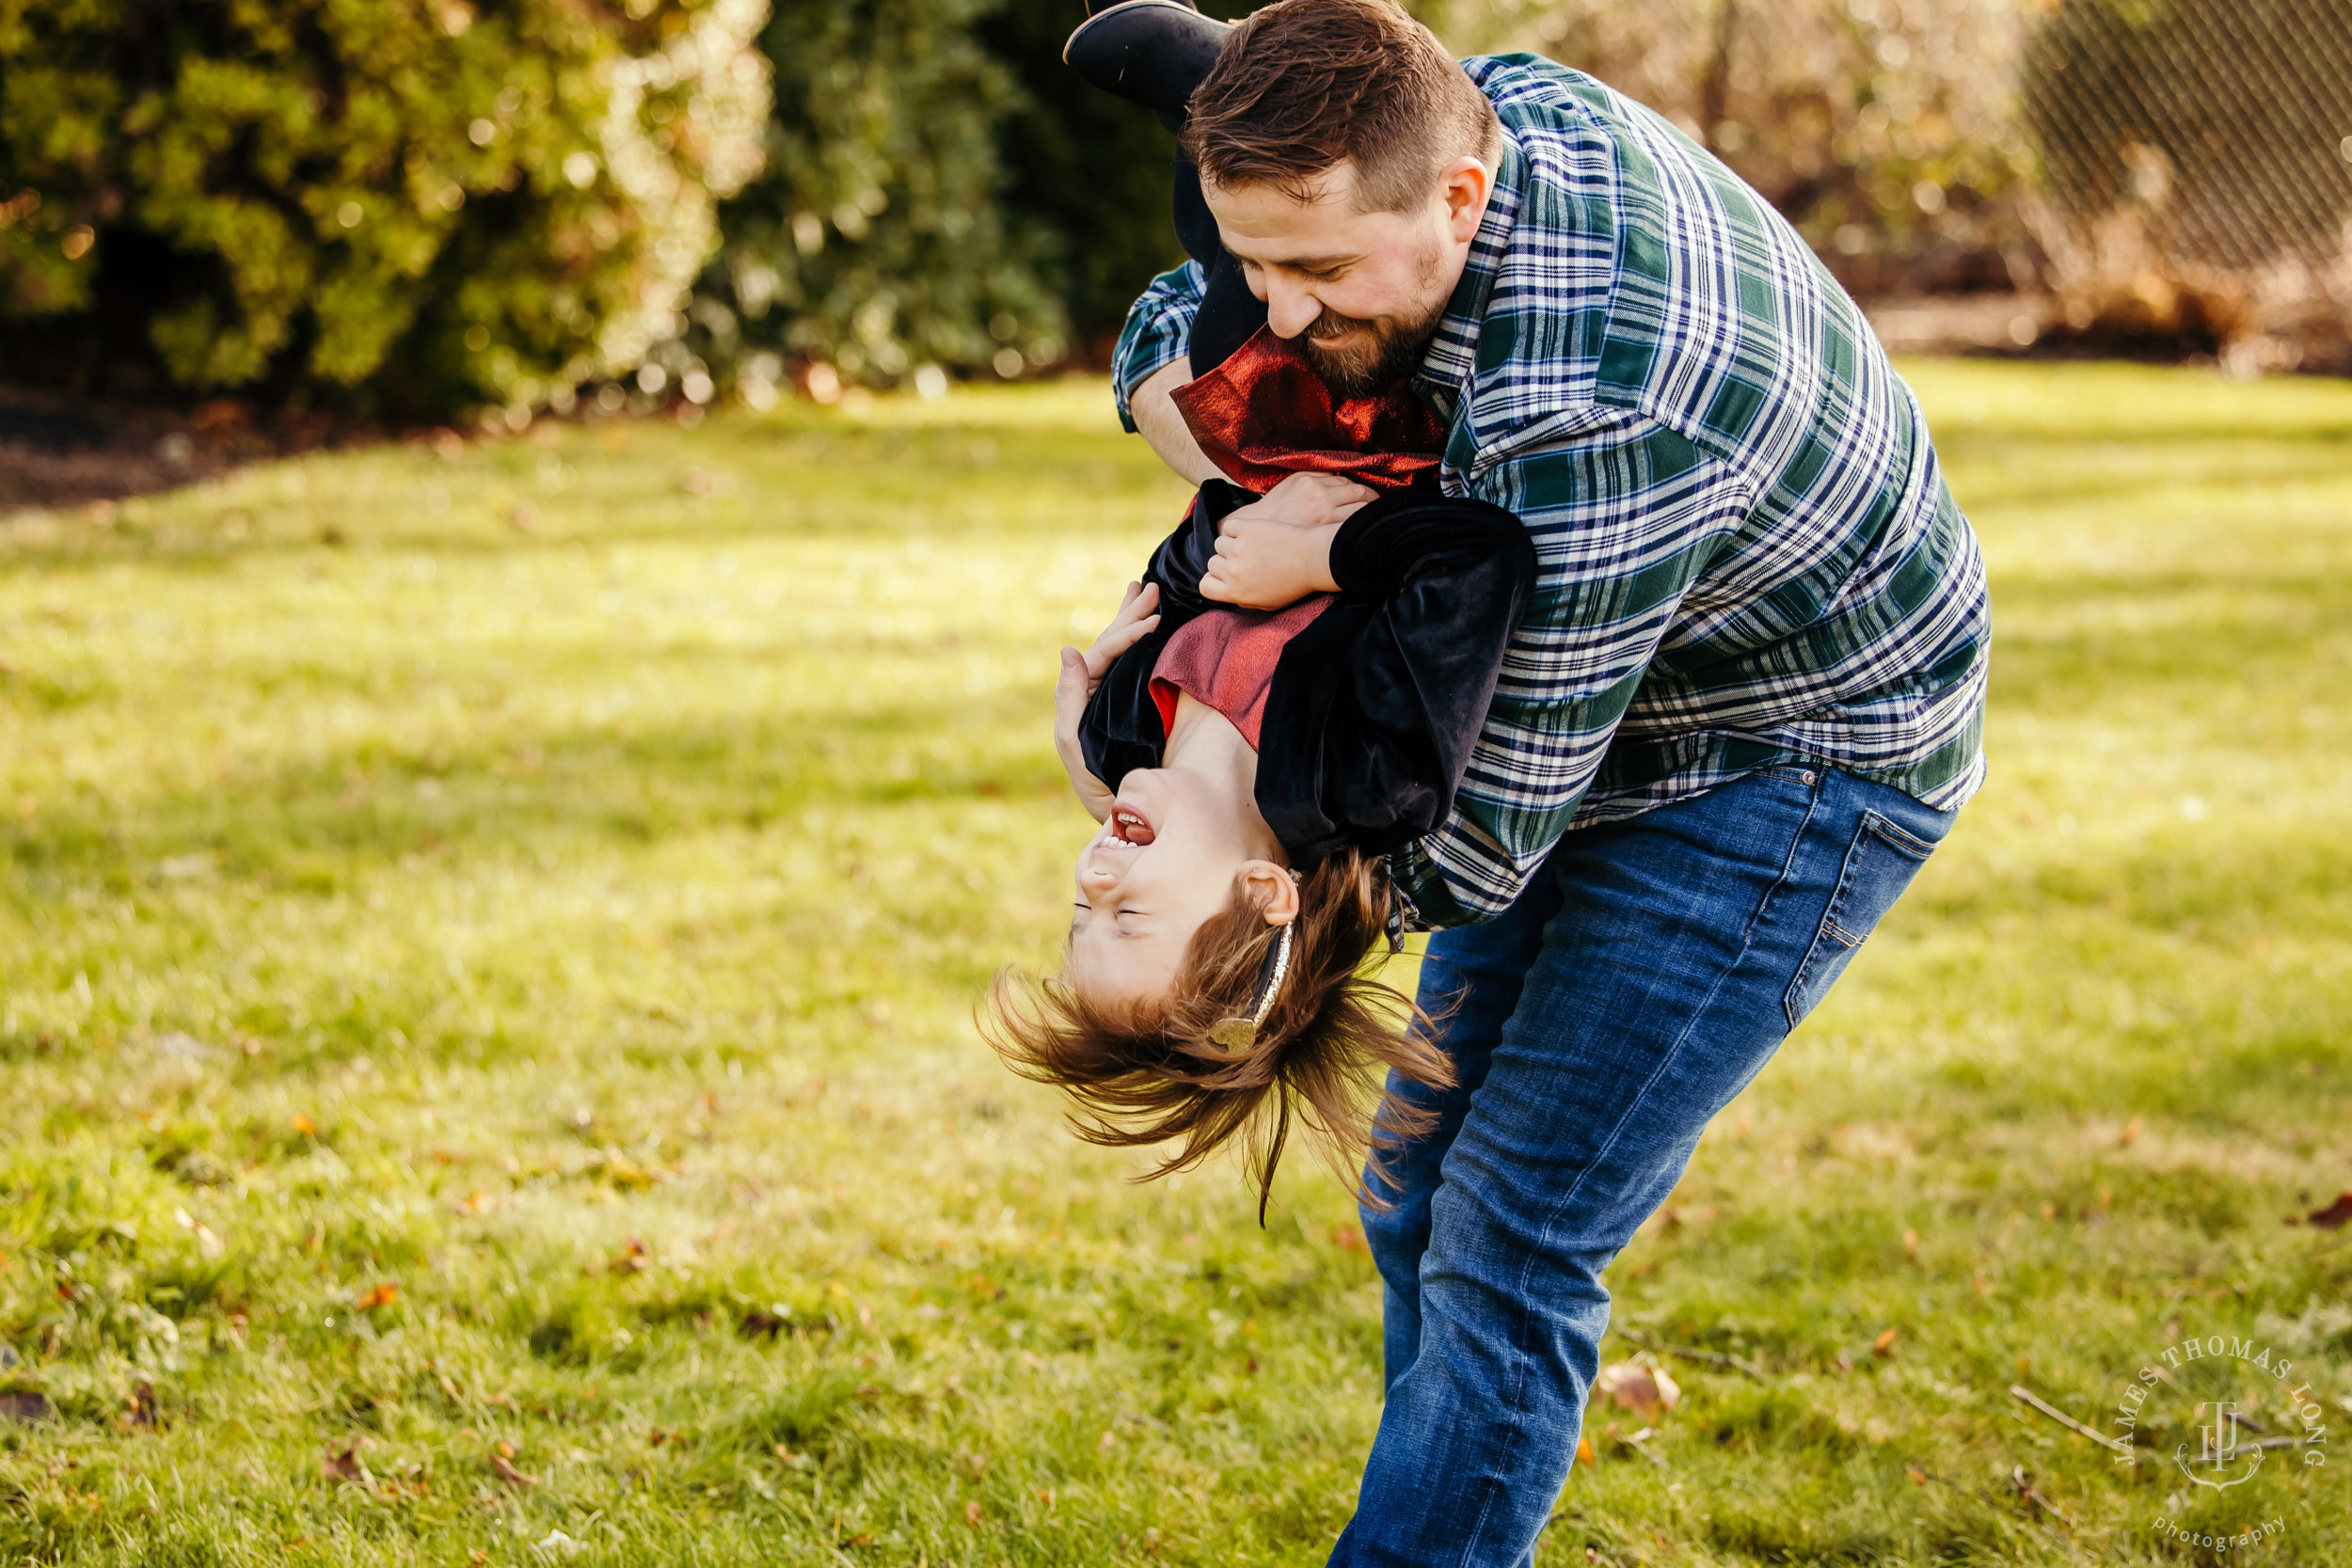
[{"x": 1305, "y": 85}]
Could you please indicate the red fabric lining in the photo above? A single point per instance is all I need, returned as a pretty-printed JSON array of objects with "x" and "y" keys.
[
  {"x": 1265, "y": 414},
  {"x": 1226, "y": 659}
]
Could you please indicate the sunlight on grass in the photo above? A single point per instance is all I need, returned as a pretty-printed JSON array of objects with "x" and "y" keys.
[{"x": 488, "y": 950}]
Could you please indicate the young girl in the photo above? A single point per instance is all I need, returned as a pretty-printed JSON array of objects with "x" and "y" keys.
[{"x": 1290, "y": 693}]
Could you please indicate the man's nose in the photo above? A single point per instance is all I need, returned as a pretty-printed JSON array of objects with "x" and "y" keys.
[{"x": 1289, "y": 309}]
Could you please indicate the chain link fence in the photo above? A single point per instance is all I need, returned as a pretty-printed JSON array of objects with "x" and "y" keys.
[{"x": 2170, "y": 173}]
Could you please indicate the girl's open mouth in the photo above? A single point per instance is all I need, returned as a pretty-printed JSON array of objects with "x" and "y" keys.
[{"x": 1128, "y": 825}]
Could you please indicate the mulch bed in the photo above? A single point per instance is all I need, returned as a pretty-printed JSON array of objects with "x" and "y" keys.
[{"x": 58, "y": 451}]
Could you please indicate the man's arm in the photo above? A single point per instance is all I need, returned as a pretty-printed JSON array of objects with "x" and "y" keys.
[
  {"x": 1153, "y": 360},
  {"x": 1154, "y": 410}
]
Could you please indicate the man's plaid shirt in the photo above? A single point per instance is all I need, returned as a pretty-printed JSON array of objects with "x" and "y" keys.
[{"x": 1749, "y": 555}]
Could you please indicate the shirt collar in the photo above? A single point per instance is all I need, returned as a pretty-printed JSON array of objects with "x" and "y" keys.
[{"x": 1445, "y": 369}]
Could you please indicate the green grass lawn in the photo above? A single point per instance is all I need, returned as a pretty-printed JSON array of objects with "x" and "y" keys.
[{"x": 487, "y": 953}]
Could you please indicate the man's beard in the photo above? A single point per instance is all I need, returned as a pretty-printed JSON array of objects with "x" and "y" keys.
[
  {"x": 1392, "y": 349},
  {"x": 1388, "y": 353}
]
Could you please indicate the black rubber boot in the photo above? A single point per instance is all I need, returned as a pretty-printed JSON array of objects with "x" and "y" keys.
[{"x": 1148, "y": 51}]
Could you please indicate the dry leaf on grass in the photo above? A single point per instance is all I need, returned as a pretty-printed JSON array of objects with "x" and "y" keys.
[
  {"x": 505, "y": 1468},
  {"x": 384, "y": 1294},
  {"x": 1885, "y": 1345},
  {"x": 1648, "y": 1390},
  {"x": 2335, "y": 1216}
]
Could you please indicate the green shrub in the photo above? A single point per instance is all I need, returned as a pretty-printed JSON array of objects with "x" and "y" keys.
[
  {"x": 440, "y": 204},
  {"x": 876, "y": 241},
  {"x": 940, "y": 189},
  {"x": 1089, "y": 172}
]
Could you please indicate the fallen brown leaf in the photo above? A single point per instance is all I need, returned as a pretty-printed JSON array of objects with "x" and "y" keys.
[
  {"x": 2335, "y": 1216},
  {"x": 1347, "y": 1237},
  {"x": 2131, "y": 1131},
  {"x": 304, "y": 1125},
  {"x": 1584, "y": 1454},
  {"x": 971, "y": 1512},
  {"x": 1648, "y": 1390},
  {"x": 1885, "y": 1345},
  {"x": 344, "y": 1466},
  {"x": 507, "y": 1472},
  {"x": 384, "y": 1294}
]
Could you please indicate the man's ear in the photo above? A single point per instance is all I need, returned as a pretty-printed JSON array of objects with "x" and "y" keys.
[
  {"x": 1274, "y": 889},
  {"x": 1464, "y": 185}
]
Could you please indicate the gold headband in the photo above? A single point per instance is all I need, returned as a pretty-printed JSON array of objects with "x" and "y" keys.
[{"x": 1240, "y": 1034}]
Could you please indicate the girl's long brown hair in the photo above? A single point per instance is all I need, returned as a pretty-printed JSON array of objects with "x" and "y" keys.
[{"x": 1150, "y": 1073}]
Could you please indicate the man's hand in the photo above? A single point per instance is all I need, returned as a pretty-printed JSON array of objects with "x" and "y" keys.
[
  {"x": 1278, "y": 550},
  {"x": 1081, "y": 673}
]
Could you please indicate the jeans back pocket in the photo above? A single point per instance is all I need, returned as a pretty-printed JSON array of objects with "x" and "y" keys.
[{"x": 1880, "y": 863}]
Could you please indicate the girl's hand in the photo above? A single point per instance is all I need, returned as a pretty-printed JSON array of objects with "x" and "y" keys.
[
  {"x": 1278, "y": 550},
  {"x": 1081, "y": 673},
  {"x": 1311, "y": 500}
]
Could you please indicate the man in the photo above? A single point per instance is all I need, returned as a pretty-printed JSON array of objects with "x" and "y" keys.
[{"x": 1739, "y": 713}]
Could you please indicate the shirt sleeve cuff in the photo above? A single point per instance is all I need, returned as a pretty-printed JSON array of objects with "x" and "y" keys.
[{"x": 1158, "y": 333}]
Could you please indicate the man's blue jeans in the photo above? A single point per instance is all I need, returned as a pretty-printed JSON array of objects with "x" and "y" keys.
[{"x": 1643, "y": 977}]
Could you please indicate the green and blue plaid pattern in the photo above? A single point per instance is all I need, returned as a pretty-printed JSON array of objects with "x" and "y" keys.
[{"x": 1749, "y": 555}]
